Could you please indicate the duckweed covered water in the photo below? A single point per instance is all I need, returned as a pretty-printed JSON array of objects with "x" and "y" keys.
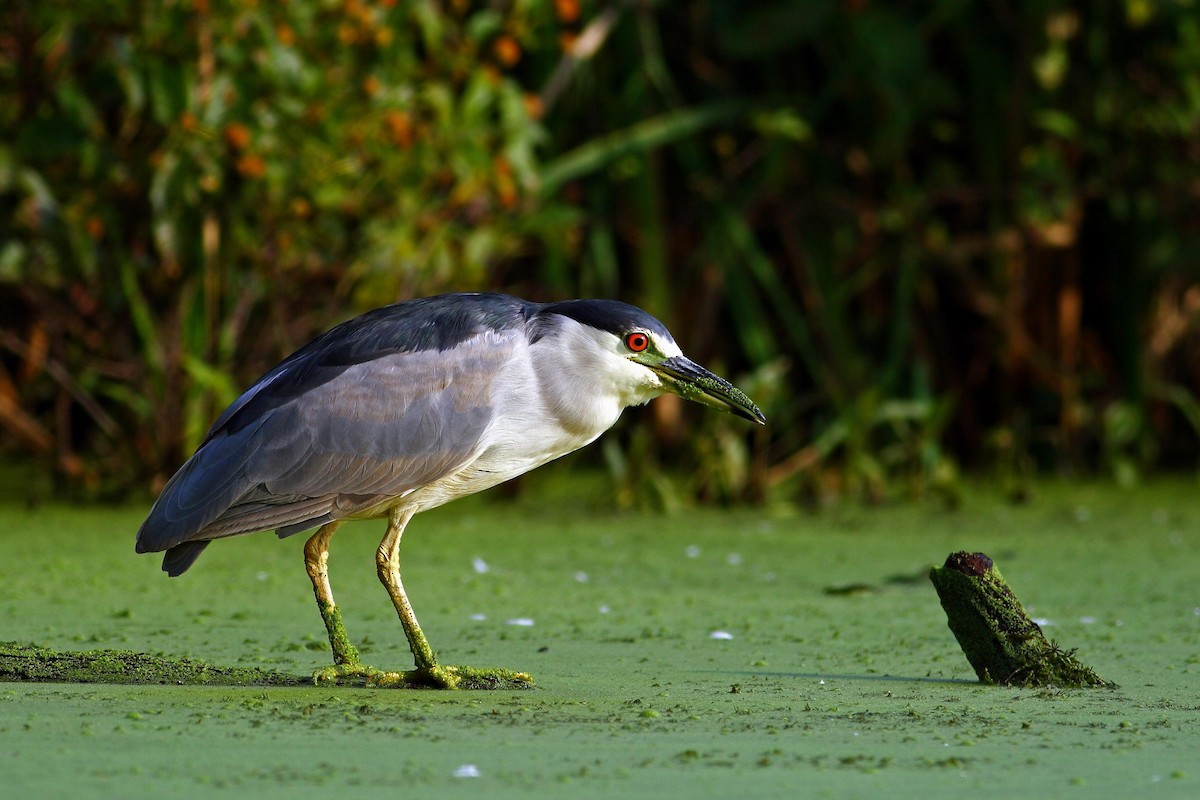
[{"x": 704, "y": 654}]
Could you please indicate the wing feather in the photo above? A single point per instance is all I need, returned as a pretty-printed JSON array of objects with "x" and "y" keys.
[{"x": 372, "y": 432}]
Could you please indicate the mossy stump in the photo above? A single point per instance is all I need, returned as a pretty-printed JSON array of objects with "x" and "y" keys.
[{"x": 1003, "y": 645}]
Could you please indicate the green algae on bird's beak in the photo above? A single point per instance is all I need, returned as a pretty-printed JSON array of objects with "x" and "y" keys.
[{"x": 691, "y": 381}]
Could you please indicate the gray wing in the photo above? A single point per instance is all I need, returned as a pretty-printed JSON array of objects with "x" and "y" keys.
[{"x": 329, "y": 447}]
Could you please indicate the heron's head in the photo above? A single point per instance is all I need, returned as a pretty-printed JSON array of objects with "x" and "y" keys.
[{"x": 624, "y": 344}]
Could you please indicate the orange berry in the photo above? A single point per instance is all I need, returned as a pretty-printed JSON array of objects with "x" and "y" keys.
[
  {"x": 508, "y": 51},
  {"x": 252, "y": 166},
  {"x": 400, "y": 128},
  {"x": 534, "y": 106},
  {"x": 238, "y": 135},
  {"x": 566, "y": 10}
]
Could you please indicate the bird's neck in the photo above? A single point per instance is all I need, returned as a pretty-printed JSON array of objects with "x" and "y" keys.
[{"x": 585, "y": 387}]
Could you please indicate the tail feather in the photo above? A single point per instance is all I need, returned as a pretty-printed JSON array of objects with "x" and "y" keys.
[
  {"x": 294, "y": 517},
  {"x": 201, "y": 491},
  {"x": 254, "y": 517},
  {"x": 213, "y": 496},
  {"x": 178, "y": 558}
]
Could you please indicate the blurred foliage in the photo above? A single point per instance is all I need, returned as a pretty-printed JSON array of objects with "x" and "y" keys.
[
  {"x": 926, "y": 236},
  {"x": 192, "y": 189}
]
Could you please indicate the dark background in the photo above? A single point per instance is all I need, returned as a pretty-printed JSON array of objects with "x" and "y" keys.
[{"x": 931, "y": 238}]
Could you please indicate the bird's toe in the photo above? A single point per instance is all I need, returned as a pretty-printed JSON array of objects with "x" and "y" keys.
[{"x": 346, "y": 674}]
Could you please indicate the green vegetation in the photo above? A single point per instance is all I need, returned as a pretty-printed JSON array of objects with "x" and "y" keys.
[
  {"x": 20, "y": 662},
  {"x": 31, "y": 663},
  {"x": 848, "y": 694},
  {"x": 999, "y": 639},
  {"x": 929, "y": 238}
]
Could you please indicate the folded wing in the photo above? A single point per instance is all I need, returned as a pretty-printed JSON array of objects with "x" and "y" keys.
[{"x": 319, "y": 439}]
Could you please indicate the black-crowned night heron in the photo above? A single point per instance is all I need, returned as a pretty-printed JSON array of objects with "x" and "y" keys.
[{"x": 408, "y": 407}]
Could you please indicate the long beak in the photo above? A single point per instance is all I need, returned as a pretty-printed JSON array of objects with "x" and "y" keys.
[{"x": 691, "y": 381}]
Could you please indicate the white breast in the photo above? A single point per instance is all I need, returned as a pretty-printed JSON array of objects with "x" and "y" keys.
[{"x": 552, "y": 398}]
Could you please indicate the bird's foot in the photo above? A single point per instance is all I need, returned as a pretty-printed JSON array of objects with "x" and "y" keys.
[
  {"x": 431, "y": 677},
  {"x": 347, "y": 674},
  {"x": 439, "y": 677}
]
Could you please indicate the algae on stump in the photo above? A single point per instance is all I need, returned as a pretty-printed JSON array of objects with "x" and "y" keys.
[{"x": 999, "y": 639}]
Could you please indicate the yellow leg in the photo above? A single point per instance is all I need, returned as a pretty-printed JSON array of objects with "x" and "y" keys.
[
  {"x": 387, "y": 565},
  {"x": 345, "y": 655}
]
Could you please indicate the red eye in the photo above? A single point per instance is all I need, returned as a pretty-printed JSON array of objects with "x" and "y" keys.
[{"x": 637, "y": 341}]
